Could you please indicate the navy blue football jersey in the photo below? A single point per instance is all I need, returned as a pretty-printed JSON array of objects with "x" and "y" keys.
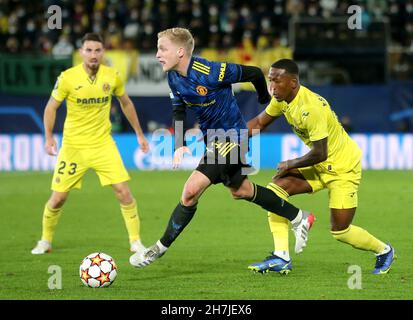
[{"x": 207, "y": 90}]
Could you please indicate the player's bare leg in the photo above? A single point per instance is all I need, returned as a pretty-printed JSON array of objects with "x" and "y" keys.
[
  {"x": 51, "y": 214},
  {"x": 194, "y": 187},
  {"x": 130, "y": 215}
]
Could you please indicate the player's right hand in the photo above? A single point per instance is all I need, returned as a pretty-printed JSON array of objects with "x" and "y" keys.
[
  {"x": 50, "y": 146},
  {"x": 178, "y": 155}
]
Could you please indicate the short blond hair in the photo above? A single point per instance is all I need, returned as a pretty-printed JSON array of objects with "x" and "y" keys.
[{"x": 181, "y": 36}]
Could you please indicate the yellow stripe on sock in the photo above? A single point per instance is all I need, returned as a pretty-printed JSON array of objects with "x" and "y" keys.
[{"x": 278, "y": 191}]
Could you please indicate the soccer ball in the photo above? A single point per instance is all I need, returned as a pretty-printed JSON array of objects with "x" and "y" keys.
[{"x": 98, "y": 270}]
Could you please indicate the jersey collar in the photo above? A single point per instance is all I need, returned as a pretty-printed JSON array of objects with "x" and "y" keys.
[{"x": 91, "y": 81}]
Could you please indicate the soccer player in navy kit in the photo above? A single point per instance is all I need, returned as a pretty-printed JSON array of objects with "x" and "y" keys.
[{"x": 205, "y": 87}]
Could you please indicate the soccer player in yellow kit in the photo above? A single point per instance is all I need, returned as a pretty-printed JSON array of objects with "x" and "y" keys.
[
  {"x": 333, "y": 162},
  {"x": 87, "y": 141}
]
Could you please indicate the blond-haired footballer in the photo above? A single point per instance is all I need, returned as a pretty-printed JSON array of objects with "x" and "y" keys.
[{"x": 87, "y": 141}]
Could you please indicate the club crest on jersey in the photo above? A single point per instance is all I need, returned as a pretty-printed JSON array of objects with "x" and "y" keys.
[
  {"x": 202, "y": 90},
  {"x": 106, "y": 87}
]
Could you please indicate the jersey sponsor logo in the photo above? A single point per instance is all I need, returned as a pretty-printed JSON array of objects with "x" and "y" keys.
[
  {"x": 106, "y": 87},
  {"x": 78, "y": 87},
  {"x": 222, "y": 71},
  {"x": 93, "y": 100},
  {"x": 201, "y": 67},
  {"x": 202, "y": 90},
  {"x": 206, "y": 104},
  {"x": 298, "y": 131}
]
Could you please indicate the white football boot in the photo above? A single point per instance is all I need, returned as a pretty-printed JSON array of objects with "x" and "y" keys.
[
  {"x": 143, "y": 258},
  {"x": 301, "y": 230},
  {"x": 42, "y": 247}
]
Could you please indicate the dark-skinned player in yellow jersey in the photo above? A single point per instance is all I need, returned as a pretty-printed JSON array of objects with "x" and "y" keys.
[{"x": 333, "y": 163}]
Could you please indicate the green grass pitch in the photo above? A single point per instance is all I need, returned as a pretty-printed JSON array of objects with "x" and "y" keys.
[{"x": 209, "y": 260}]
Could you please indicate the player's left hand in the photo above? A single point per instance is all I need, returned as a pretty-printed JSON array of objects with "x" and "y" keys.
[
  {"x": 143, "y": 143},
  {"x": 282, "y": 169}
]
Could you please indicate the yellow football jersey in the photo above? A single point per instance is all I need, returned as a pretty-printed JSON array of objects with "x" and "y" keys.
[
  {"x": 312, "y": 119},
  {"x": 88, "y": 104}
]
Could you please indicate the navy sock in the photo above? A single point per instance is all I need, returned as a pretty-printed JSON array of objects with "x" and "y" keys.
[
  {"x": 271, "y": 202},
  {"x": 180, "y": 217}
]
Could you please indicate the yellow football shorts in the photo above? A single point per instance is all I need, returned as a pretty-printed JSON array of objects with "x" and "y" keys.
[
  {"x": 72, "y": 164},
  {"x": 342, "y": 187}
]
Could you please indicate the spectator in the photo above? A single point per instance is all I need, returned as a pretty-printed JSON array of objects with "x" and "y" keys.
[{"x": 63, "y": 48}]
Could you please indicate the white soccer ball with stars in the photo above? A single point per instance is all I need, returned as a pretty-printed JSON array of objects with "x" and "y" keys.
[{"x": 98, "y": 270}]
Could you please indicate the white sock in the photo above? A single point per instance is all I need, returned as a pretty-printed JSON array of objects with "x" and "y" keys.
[
  {"x": 385, "y": 250},
  {"x": 161, "y": 247},
  {"x": 139, "y": 244},
  {"x": 282, "y": 254},
  {"x": 297, "y": 219}
]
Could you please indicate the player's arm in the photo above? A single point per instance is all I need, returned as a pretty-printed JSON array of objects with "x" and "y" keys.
[
  {"x": 49, "y": 119},
  {"x": 260, "y": 122},
  {"x": 256, "y": 77},
  {"x": 228, "y": 73},
  {"x": 317, "y": 154},
  {"x": 128, "y": 109},
  {"x": 179, "y": 125}
]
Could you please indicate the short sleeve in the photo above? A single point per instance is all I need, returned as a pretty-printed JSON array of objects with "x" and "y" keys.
[
  {"x": 119, "y": 86},
  {"x": 274, "y": 108},
  {"x": 316, "y": 123},
  {"x": 61, "y": 88}
]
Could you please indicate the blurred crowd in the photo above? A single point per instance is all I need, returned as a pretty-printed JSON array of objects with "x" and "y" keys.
[{"x": 215, "y": 23}]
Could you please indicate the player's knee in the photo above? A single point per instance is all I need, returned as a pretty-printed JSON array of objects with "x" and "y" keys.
[
  {"x": 57, "y": 201},
  {"x": 123, "y": 194},
  {"x": 125, "y": 197},
  {"x": 340, "y": 233},
  {"x": 190, "y": 196},
  {"x": 339, "y": 226}
]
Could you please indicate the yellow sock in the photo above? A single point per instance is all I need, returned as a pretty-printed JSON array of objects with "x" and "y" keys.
[
  {"x": 131, "y": 218},
  {"x": 359, "y": 239},
  {"x": 50, "y": 219},
  {"x": 279, "y": 225}
]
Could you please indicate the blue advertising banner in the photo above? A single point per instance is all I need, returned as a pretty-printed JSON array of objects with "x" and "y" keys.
[{"x": 24, "y": 152}]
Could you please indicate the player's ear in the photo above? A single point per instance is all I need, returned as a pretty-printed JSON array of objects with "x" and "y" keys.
[
  {"x": 294, "y": 82},
  {"x": 180, "y": 52}
]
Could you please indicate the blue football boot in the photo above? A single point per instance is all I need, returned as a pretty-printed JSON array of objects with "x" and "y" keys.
[
  {"x": 384, "y": 261},
  {"x": 272, "y": 263}
]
